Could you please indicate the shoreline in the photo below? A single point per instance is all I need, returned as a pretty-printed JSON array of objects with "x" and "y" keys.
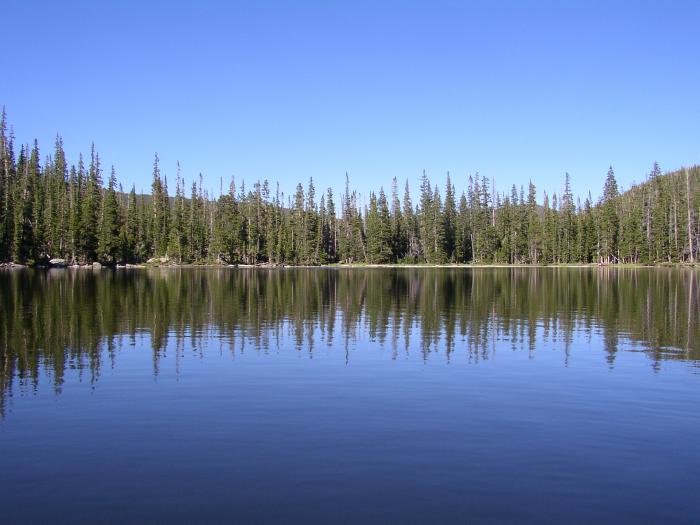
[{"x": 340, "y": 266}]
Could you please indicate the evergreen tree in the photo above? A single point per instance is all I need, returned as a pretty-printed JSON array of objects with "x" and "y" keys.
[
  {"x": 332, "y": 228},
  {"x": 6, "y": 191},
  {"x": 587, "y": 237},
  {"x": 23, "y": 241},
  {"x": 91, "y": 207},
  {"x": 129, "y": 235},
  {"x": 610, "y": 221},
  {"x": 111, "y": 223},
  {"x": 177, "y": 247},
  {"x": 568, "y": 224},
  {"x": 311, "y": 236},
  {"x": 378, "y": 230},
  {"x": 399, "y": 239},
  {"x": 426, "y": 218},
  {"x": 161, "y": 211},
  {"x": 410, "y": 227},
  {"x": 463, "y": 233},
  {"x": 449, "y": 222}
]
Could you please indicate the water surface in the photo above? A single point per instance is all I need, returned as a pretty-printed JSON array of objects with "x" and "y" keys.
[{"x": 524, "y": 395}]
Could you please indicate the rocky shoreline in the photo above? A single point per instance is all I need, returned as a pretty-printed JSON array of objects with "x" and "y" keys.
[
  {"x": 165, "y": 263},
  {"x": 63, "y": 266}
]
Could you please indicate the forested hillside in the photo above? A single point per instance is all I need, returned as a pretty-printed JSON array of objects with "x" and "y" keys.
[{"x": 52, "y": 209}]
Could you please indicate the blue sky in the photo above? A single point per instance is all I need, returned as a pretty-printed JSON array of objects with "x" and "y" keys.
[{"x": 292, "y": 90}]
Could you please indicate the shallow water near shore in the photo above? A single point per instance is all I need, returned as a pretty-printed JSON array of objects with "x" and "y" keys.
[{"x": 375, "y": 395}]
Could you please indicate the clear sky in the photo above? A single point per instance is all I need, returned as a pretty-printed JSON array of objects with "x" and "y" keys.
[{"x": 292, "y": 90}]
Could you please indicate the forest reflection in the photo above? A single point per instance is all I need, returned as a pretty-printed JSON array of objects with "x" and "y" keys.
[{"x": 51, "y": 321}]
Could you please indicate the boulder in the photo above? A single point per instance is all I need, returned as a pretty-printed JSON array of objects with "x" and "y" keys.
[
  {"x": 156, "y": 261},
  {"x": 96, "y": 266},
  {"x": 11, "y": 265},
  {"x": 57, "y": 263}
]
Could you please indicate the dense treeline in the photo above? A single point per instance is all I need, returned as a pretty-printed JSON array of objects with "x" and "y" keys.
[{"x": 49, "y": 209}]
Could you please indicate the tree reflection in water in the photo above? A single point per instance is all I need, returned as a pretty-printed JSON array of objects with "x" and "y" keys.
[{"x": 52, "y": 321}]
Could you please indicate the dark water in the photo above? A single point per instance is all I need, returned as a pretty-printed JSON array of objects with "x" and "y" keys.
[{"x": 350, "y": 396}]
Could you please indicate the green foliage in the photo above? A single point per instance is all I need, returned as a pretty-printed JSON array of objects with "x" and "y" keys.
[
  {"x": 110, "y": 224},
  {"x": 53, "y": 210}
]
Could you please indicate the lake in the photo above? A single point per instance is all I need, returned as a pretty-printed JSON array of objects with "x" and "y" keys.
[{"x": 401, "y": 395}]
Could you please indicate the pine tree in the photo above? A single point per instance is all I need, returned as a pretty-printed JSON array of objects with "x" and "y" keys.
[
  {"x": 311, "y": 237},
  {"x": 161, "y": 211},
  {"x": 410, "y": 227},
  {"x": 228, "y": 245},
  {"x": 610, "y": 221},
  {"x": 587, "y": 238},
  {"x": 91, "y": 207},
  {"x": 399, "y": 239},
  {"x": 7, "y": 192},
  {"x": 38, "y": 248},
  {"x": 299, "y": 254},
  {"x": 485, "y": 221},
  {"x": 177, "y": 247},
  {"x": 56, "y": 210},
  {"x": 426, "y": 219},
  {"x": 110, "y": 225},
  {"x": 463, "y": 235},
  {"x": 568, "y": 224},
  {"x": 378, "y": 229},
  {"x": 323, "y": 235},
  {"x": 449, "y": 222},
  {"x": 438, "y": 225},
  {"x": 198, "y": 238},
  {"x": 332, "y": 242},
  {"x": 23, "y": 241}
]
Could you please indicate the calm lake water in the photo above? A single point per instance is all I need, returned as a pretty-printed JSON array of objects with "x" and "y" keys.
[{"x": 537, "y": 395}]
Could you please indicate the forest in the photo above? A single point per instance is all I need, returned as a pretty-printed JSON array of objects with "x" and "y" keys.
[{"x": 52, "y": 210}]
